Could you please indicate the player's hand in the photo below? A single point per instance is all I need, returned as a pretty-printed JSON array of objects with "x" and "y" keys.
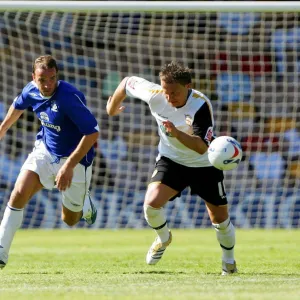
[
  {"x": 170, "y": 128},
  {"x": 2, "y": 134},
  {"x": 110, "y": 108},
  {"x": 64, "y": 178}
]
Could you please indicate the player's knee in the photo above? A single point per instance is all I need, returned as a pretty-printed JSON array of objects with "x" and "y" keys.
[
  {"x": 18, "y": 198},
  {"x": 219, "y": 217},
  {"x": 150, "y": 211},
  {"x": 70, "y": 221},
  {"x": 222, "y": 225}
]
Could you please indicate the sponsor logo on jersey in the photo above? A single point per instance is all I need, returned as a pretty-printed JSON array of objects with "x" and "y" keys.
[
  {"x": 44, "y": 116},
  {"x": 209, "y": 134},
  {"x": 49, "y": 125},
  {"x": 163, "y": 129},
  {"x": 163, "y": 117}
]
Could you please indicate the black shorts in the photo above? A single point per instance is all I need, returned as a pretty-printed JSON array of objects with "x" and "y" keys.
[{"x": 206, "y": 182}]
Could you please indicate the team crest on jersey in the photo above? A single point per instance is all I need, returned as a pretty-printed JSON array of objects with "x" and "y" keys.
[
  {"x": 188, "y": 120},
  {"x": 209, "y": 134},
  {"x": 44, "y": 116},
  {"x": 54, "y": 107},
  {"x": 33, "y": 94}
]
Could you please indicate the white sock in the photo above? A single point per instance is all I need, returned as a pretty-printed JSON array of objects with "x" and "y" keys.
[
  {"x": 226, "y": 237},
  {"x": 156, "y": 219},
  {"x": 86, "y": 206},
  {"x": 11, "y": 222}
]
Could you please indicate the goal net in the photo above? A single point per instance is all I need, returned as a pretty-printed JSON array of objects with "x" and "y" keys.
[{"x": 247, "y": 63}]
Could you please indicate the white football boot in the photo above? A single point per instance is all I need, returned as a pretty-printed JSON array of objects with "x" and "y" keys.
[
  {"x": 228, "y": 269},
  {"x": 157, "y": 250}
]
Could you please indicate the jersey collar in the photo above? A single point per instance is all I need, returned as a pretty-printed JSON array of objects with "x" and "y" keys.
[
  {"x": 187, "y": 98},
  {"x": 44, "y": 97}
]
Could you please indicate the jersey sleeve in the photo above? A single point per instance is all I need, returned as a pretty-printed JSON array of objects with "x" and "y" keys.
[
  {"x": 203, "y": 123},
  {"x": 21, "y": 102},
  {"x": 80, "y": 115},
  {"x": 25, "y": 100},
  {"x": 143, "y": 89}
]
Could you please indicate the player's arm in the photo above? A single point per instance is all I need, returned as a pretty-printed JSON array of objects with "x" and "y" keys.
[
  {"x": 86, "y": 122},
  {"x": 65, "y": 174},
  {"x": 11, "y": 117},
  {"x": 191, "y": 141},
  {"x": 113, "y": 106},
  {"x": 86, "y": 143},
  {"x": 202, "y": 130}
]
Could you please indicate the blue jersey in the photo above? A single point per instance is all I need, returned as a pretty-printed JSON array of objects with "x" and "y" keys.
[{"x": 64, "y": 117}]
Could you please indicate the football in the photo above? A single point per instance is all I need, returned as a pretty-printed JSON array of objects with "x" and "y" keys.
[{"x": 225, "y": 153}]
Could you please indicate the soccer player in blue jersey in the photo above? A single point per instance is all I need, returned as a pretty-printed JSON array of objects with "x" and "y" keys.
[
  {"x": 63, "y": 152},
  {"x": 185, "y": 125}
]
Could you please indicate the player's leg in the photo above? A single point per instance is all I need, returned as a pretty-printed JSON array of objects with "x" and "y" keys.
[
  {"x": 156, "y": 197},
  {"x": 76, "y": 200},
  {"x": 26, "y": 186},
  {"x": 208, "y": 184},
  {"x": 165, "y": 184},
  {"x": 87, "y": 210},
  {"x": 225, "y": 235},
  {"x": 70, "y": 217}
]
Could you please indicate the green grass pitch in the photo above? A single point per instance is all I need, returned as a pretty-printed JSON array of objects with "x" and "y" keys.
[{"x": 110, "y": 264}]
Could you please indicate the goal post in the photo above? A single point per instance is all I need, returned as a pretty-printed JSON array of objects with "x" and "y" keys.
[{"x": 245, "y": 58}]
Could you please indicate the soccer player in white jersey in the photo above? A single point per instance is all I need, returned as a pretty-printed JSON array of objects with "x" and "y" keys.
[
  {"x": 62, "y": 154},
  {"x": 185, "y": 125}
]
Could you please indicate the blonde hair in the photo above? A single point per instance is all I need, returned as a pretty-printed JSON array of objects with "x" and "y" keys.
[
  {"x": 175, "y": 73},
  {"x": 44, "y": 62}
]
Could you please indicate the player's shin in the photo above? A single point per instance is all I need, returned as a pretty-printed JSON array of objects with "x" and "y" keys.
[
  {"x": 226, "y": 237},
  {"x": 156, "y": 219},
  {"x": 11, "y": 222}
]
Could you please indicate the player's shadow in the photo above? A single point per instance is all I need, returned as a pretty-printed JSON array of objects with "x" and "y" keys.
[
  {"x": 255, "y": 274},
  {"x": 155, "y": 272},
  {"x": 146, "y": 272},
  {"x": 40, "y": 273}
]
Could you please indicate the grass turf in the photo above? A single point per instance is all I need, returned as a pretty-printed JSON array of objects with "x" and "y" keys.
[{"x": 110, "y": 264}]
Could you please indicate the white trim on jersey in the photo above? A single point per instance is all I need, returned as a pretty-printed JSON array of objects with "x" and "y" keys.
[
  {"x": 80, "y": 100},
  {"x": 209, "y": 107}
]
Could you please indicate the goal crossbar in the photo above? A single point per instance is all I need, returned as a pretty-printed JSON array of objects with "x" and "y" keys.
[{"x": 144, "y": 6}]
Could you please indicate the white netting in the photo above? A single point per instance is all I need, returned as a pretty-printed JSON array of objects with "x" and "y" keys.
[{"x": 247, "y": 63}]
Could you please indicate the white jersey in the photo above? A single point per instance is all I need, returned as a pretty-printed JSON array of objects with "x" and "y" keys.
[{"x": 195, "y": 117}]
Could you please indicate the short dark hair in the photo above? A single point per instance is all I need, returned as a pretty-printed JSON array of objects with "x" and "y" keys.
[
  {"x": 45, "y": 62},
  {"x": 175, "y": 72}
]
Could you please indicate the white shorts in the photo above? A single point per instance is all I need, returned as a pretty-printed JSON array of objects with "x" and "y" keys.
[{"x": 42, "y": 162}]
